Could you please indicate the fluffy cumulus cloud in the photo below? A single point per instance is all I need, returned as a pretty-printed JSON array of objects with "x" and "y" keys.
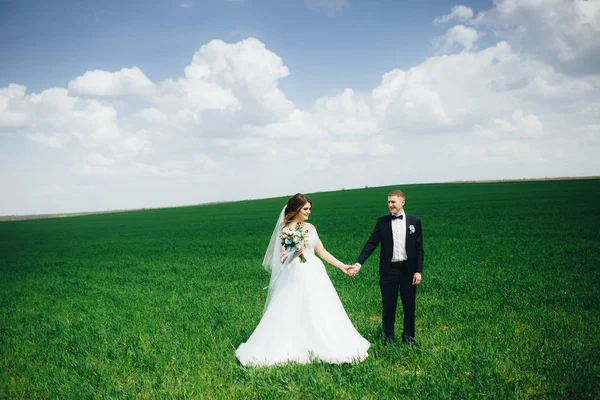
[
  {"x": 14, "y": 116},
  {"x": 457, "y": 38},
  {"x": 126, "y": 82},
  {"x": 564, "y": 34},
  {"x": 458, "y": 13},
  {"x": 56, "y": 118},
  {"x": 224, "y": 129},
  {"x": 522, "y": 125}
]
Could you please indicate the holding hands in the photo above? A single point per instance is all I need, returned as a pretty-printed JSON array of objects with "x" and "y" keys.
[{"x": 351, "y": 270}]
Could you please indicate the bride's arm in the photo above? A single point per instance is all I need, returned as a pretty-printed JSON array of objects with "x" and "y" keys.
[{"x": 325, "y": 255}]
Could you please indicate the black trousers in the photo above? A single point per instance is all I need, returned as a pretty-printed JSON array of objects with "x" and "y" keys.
[{"x": 398, "y": 277}]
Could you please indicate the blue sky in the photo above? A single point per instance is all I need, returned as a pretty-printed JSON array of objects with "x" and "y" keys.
[
  {"x": 327, "y": 50},
  {"x": 128, "y": 104}
]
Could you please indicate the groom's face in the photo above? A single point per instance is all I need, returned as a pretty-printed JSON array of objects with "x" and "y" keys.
[{"x": 395, "y": 204}]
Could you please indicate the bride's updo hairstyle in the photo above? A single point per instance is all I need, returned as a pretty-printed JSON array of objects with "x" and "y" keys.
[{"x": 294, "y": 204}]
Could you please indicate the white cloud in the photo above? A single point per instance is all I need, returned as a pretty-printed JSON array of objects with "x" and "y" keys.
[
  {"x": 206, "y": 161},
  {"x": 299, "y": 124},
  {"x": 459, "y": 13},
  {"x": 484, "y": 132},
  {"x": 126, "y": 82},
  {"x": 133, "y": 143},
  {"x": 457, "y": 38},
  {"x": 11, "y": 115},
  {"x": 406, "y": 99},
  {"x": 460, "y": 91},
  {"x": 527, "y": 126},
  {"x": 513, "y": 149},
  {"x": 56, "y": 119},
  {"x": 238, "y": 81},
  {"x": 564, "y": 34},
  {"x": 84, "y": 169},
  {"x": 225, "y": 124},
  {"x": 178, "y": 170},
  {"x": 347, "y": 114},
  {"x": 500, "y": 152},
  {"x": 54, "y": 141},
  {"x": 152, "y": 115},
  {"x": 343, "y": 115},
  {"x": 170, "y": 169},
  {"x": 98, "y": 158},
  {"x": 591, "y": 135}
]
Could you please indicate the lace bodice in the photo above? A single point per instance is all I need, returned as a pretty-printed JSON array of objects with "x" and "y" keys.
[{"x": 312, "y": 237}]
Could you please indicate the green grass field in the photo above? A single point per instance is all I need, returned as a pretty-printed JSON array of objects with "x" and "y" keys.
[{"x": 153, "y": 303}]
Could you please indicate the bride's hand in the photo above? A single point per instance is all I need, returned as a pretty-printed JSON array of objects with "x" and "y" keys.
[
  {"x": 351, "y": 270},
  {"x": 283, "y": 257},
  {"x": 347, "y": 269}
]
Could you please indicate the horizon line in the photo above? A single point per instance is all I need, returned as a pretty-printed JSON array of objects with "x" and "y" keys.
[{"x": 21, "y": 217}]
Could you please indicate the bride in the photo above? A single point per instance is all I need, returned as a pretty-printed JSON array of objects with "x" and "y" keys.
[{"x": 303, "y": 317}]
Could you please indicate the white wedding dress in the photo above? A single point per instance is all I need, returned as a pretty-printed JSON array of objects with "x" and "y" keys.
[{"x": 303, "y": 319}]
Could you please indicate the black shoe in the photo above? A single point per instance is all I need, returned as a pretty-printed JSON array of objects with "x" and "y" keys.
[
  {"x": 409, "y": 340},
  {"x": 389, "y": 340}
]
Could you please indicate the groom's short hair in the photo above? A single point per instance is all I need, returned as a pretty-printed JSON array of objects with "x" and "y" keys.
[{"x": 397, "y": 193}]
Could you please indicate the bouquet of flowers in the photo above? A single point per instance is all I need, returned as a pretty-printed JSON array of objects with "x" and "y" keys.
[{"x": 293, "y": 239}]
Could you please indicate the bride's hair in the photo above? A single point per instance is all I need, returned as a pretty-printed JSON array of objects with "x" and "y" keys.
[{"x": 294, "y": 204}]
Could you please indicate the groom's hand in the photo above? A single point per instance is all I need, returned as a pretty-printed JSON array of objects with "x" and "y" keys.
[
  {"x": 417, "y": 278},
  {"x": 347, "y": 268},
  {"x": 353, "y": 269}
]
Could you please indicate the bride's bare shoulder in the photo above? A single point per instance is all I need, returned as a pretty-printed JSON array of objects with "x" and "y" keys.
[{"x": 310, "y": 226}]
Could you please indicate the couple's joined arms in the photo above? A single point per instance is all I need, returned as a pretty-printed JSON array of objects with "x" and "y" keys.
[
  {"x": 325, "y": 255},
  {"x": 368, "y": 249}
]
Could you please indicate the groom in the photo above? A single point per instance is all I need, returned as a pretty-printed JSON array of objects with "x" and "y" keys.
[{"x": 400, "y": 264}]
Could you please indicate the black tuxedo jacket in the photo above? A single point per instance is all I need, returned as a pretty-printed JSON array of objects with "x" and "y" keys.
[{"x": 382, "y": 233}]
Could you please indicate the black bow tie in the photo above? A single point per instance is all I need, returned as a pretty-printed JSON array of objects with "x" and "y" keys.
[{"x": 397, "y": 216}]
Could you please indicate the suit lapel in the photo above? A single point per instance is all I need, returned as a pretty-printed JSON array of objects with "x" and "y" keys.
[
  {"x": 388, "y": 227},
  {"x": 408, "y": 221},
  {"x": 406, "y": 234}
]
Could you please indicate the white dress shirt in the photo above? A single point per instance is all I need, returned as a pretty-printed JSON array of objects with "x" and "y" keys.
[
  {"x": 399, "y": 233},
  {"x": 399, "y": 236}
]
